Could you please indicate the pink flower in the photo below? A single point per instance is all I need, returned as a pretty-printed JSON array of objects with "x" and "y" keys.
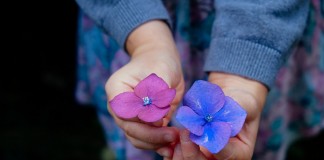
[{"x": 150, "y": 100}]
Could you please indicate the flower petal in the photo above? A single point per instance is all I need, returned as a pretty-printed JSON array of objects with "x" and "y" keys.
[
  {"x": 152, "y": 113},
  {"x": 163, "y": 98},
  {"x": 233, "y": 114},
  {"x": 149, "y": 86},
  {"x": 215, "y": 136},
  {"x": 190, "y": 120},
  {"x": 126, "y": 105},
  {"x": 204, "y": 98}
]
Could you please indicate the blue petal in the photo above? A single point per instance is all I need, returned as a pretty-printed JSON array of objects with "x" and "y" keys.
[
  {"x": 233, "y": 114},
  {"x": 215, "y": 137},
  {"x": 204, "y": 98},
  {"x": 190, "y": 120}
]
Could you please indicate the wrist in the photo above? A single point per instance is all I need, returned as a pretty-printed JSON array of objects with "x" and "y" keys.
[
  {"x": 152, "y": 44},
  {"x": 152, "y": 35}
]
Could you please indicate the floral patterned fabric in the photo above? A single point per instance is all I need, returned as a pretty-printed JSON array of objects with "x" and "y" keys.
[{"x": 295, "y": 105}]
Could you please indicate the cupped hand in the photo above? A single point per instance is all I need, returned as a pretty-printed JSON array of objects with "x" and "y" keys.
[
  {"x": 149, "y": 55},
  {"x": 251, "y": 96}
]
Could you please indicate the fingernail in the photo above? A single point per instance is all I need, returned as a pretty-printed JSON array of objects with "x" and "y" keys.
[
  {"x": 164, "y": 153},
  {"x": 184, "y": 136},
  {"x": 169, "y": 138},
  {"x": 227, "y": 152}
]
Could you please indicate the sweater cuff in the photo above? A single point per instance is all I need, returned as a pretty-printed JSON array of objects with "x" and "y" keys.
[
  {"x": 128, "y": 15},
  {"x": 244, "y": 58}
]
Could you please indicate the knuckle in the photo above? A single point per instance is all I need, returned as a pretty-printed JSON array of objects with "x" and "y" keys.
[
  {"x": 127, "y": 129},
  {"x": 189, "y": 156},
  {"x": 150, "y": 139},
  {"x": 134, "y": 142}
]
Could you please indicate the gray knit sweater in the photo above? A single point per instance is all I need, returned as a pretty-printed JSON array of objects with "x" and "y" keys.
[{"x": 250, "y": 38}]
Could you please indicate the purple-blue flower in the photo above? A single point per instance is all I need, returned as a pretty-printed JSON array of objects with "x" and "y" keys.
[{"x": 210, "y": 116}]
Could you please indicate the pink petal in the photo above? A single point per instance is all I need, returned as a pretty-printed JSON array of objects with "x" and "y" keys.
[
  {"x": 126, "y": 105},
  {"x": 190, "y": 120},
  {"x": 215, "y": 137},
  {"x": 163, "y": 98},
  {"x": 204, "y": 98},
  {"x": 151, "y": 113},
  {"x": 233, "y": 114},
  {"x": 150, "y": 85}
]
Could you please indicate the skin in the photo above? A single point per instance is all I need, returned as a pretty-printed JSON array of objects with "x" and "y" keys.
[
  {"x": 152, "y": 50},
  {"x": 251, "y": 96}
]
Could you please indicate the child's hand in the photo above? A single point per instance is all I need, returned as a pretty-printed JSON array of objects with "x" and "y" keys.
[
  {"x": 250, "y": 95},
  {"x": 152, "y": 50}
]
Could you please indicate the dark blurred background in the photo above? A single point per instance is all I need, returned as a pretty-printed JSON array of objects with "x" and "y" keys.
[{"x": 39, "y": 116}]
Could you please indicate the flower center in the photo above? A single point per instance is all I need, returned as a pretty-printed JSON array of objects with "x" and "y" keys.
[
  {"x": 147, "y": 101},
  {"x": 208, "y": 118}
]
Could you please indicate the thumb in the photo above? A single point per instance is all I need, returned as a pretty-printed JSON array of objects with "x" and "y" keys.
[
  {"x": 115, "y": 85},
  {"x": 235, "y": 149},
  {"x": 190, "y": 150}
]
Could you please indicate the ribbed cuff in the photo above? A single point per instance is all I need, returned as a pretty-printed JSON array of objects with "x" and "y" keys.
[
  {"x": 244, "y": 58},
  {"x": 129, "y": 14}
]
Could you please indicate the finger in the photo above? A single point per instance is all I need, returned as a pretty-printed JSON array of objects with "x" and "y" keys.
[
  {"x": 190, "y": 151},
  {"x": 170, "y": 114},
  {"x": 165, "y": 152},
  {"x": 149, "y": 134},
  {"x": 235, "y": 149},
  {"x": 242, "y": 145},
  {"x": 142, "y": 145},
  {"x": 175, "y": 102},
  {"x": 119, "y": 120},
  {"x": 177, "y": 155},
  {"x": 227, "y": 152},
  {"x": 158, "y": 123},
  {"x": 120, "y": 82}
]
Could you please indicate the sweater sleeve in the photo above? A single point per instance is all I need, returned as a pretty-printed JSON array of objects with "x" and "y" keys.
[
  {"x": 118, "y": 18},
  {"x": 252, "y": 38}
]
